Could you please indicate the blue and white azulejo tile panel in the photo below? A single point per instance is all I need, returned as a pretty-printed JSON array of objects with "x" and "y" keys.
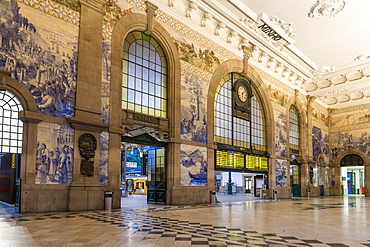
[
  {"x": 40, "y": 51},
  {"x": 104, "y": 151},
  {"x": 193, "y": 169},
  {"x": 54, "y": 154},
  {"x": 281, "y": 169}
]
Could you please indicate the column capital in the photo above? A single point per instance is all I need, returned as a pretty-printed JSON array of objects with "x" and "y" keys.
[{"x": 95, "y": 4}]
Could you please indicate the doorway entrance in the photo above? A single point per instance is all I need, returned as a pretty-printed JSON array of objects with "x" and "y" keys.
[
  {"x": 295, "y": 178},
  {"x": 352, "y": 173},
  {"x": 143, "y": 165}
]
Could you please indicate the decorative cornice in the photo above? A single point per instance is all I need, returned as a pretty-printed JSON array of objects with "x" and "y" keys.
[
  {"x": 192, "y": 6},
  {"x": 350, "y": 109},
  {"x": 206, "y": 17}
]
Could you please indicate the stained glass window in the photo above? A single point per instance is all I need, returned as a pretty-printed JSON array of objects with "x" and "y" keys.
[
  {"x": 11, "y": 127},
  {"x": 144, "y": 77}
]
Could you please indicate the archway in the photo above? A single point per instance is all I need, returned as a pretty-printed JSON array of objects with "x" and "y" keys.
[
  {"x": 352, "y": 173},
  {"x": 11, "y": 129}
]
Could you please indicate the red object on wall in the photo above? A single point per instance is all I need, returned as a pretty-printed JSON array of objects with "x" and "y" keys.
[{"x": 363, "y": 190}]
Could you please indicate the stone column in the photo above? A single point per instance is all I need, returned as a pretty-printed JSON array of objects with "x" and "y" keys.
[{"x": 85, "y": 192}]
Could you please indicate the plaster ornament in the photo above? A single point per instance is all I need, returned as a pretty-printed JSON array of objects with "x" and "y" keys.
[
  {"x": 310, "y": 87},
  {"x": 269, "y": 62},
  {"x": 206, "y": 17},
  {"x": 343, "y": 98},
  {"x": 291, "y": 76},
  {"x": 325, "y": 84},
  {"x": 243, "y": 42},
  {"x": 287, "y": 27},
  {"x": 326, "y": 8},
  {"x": 277, "y": 67},
  {"x": 261, "y": 56},
  {"x": 192, "y": 6},
  {"x": 362, "y": 57},
  {"x": 358, "y": 95},
  {"x": 171, "y": 3},
  {"x": 219, "y": 26},
  {"x": 285, "y": 71},
  {"x": 231, "y": 35},
  {"x": 331, "y": 100},
  {"x": 367, "y": 93},
  {"x": 323, "y": 70}
]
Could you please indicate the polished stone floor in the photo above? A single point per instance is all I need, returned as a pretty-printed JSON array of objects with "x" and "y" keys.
[{"x": 325, "y": 221}]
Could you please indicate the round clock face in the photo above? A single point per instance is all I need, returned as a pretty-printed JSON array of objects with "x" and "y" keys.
[{"x": 242, "y": 93}]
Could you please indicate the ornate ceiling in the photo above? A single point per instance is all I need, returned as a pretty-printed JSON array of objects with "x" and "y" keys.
[{"x": 320, "y": 47}]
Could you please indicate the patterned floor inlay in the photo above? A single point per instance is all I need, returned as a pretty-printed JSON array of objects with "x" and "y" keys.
[
  {"x": 184, "y": 233},
  {"x": 259, "y": 223}
]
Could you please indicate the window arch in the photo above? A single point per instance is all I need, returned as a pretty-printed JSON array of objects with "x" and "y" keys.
[
  {"x": 11, "y": 127},
  {"x": 235, "y": 131},
  {"x": 294, "y": 135},
  {"x": 144, "y": 82}
]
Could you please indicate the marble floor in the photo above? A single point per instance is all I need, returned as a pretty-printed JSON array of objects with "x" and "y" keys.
[{"x": 325, "y": 221}]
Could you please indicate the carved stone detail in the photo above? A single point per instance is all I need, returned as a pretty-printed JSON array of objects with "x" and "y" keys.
[
  {"x": 287, "y": 27},
  {"x": 151, "y": 14},
  {"x": 192, "y": 6},
  {"x": 171, "y": 3},
  {"x": 231, "y": 35},
  {"x": 326, "y": 8},
  {"x": 219, "y": 26},
  {"x": 206, "y": 17}
]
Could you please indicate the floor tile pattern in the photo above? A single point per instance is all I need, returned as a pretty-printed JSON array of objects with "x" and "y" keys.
[{"x": 161, "y": 226}]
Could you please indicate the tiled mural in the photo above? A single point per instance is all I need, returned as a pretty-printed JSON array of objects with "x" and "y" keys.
[
  {"x": 105, "y": 81},
  {"x": 71, "y": 4},
  {"x": 113, "y": 13},
  {"x": 40, "y": 51},
  {"x": 193, "y": 108},
  {"x": 320, "y": 144},
  {"x": 340, "y": 141},
  {"x": 281, "y": 168},
  {"x": 281, "y": 146},
  {"x": 104, "y": 152},
  {"x": 54, "y": 154},
  {"x": 278, "y": 96},
  {"x": 193, "y": 169},
  {"x": 350, "y": 118},
  {"x": 320, "y": 117}
]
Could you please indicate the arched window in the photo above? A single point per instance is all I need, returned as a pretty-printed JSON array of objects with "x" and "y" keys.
[
  {"x": 241, "y": 142},
  {"x": 11, "y": 126},
  {"x": 144, "y": 82},
  {"x": 236, "y": 131},
  {"x": 293, "y": 129}
]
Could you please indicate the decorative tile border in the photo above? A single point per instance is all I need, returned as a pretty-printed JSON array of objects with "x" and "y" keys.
[
  {"x": 187, "y": 67},
  {"x": 350, "y": 109},
  {"x": 54, "y": 9},
  {"x": 351, "y": 127}
]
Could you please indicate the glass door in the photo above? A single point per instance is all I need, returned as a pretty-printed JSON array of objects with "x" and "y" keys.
[
  {"x": 295, "y": 181},
  {"x": 156, "y": 176}
]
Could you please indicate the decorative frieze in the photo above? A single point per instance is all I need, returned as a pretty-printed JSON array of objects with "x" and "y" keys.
[{"x": 57, "y": 10}]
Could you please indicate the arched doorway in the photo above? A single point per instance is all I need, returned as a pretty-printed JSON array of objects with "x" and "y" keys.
[
  {"x": 11, "y": 130},
  {"x": 352, "y": 172},
  {"x": 143, "y": 166}
]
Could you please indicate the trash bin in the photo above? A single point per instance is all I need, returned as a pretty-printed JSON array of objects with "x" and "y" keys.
[
  {"x": 213, "y": 196},
  {"x": 108, "y": 199},
  {"x": 275, "y": 194}
]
